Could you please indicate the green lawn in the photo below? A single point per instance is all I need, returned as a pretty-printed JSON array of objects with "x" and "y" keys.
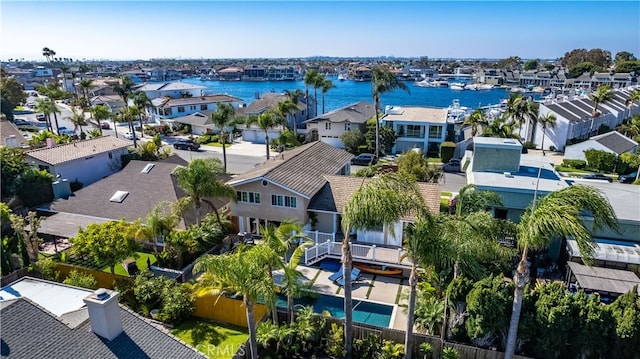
[
  {"x": 215, "y": 340},
  {"x": 141, "y": 262},
  {"x": 218, "y": 144}
]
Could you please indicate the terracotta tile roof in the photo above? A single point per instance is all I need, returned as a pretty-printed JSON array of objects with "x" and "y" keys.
[
  {"x": 339, "y": 189},
  {"x": 300, "y": 169},
  {"x": 77, "y": 150}
]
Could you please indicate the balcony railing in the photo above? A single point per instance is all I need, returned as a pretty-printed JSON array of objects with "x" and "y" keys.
[
  {"x": 359, "y": 252},
  {"x": 320, "y": 237}
]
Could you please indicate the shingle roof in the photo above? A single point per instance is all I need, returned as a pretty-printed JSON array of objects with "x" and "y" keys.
[
  {"x": 171, "y": 86},
  {"x": 77, "y": 150},
  {"x": 8, "y": 129},
  {"x": 616, "y": 142},
  {"x": 300, "y": 169},
  {"x": 358, "y": 112},
  {"x": 337, "y": 191},
  {"x": 199, "y": 118},
  {"x": 267, "y": 101},
  {"x": 29, "y": 331}
]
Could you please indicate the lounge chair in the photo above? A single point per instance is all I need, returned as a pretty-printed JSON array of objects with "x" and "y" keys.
[
  {"x": 355, "y": 273},
  {"x": 337, "y": 275}
]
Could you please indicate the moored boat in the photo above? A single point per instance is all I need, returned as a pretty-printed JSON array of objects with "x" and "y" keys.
[{"x": 373, "y": 269}]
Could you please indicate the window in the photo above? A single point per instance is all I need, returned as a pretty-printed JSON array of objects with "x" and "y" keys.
[
  {"x": 327, "y": 125},
  {"x": 110, "y": 155},
  {"x": 347, "y": 126},
  {"x": 248, "y": 197},
  {"x": 203, "y": 107},
  {"x": 435, "y": 131},
  {"x": 192, "y": 108},
  {"x": 180, "y": 109},
  {"x": 415, "y": 131},
  {"x": 283, "y": 201}
]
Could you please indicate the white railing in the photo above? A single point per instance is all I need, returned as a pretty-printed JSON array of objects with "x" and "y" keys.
[
  {"x": 320, "y": 237},
  {"x": 369, "y": 253}
]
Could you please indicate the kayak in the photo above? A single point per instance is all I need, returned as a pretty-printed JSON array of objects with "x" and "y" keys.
[{"x": 383, "y": 270}]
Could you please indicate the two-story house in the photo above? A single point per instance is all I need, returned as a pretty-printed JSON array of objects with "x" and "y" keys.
[
  {"x": 171, "y": 89},
  {"x": 330, "y": 126},
  {"x": 166, "y": 109},
  {"x": 424, "y": 128},
  {"x": 270, "y": 101}
]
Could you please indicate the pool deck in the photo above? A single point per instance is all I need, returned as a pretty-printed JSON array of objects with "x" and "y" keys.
[{"x": 370, "y": 287}]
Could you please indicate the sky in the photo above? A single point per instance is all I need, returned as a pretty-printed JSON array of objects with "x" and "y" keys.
[{"x": 128, "y": 30}]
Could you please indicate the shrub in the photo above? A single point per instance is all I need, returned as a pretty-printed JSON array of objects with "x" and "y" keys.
[
  {"x": 529, "y": 145},
  {"x": 208, "y": 138},
  {"x": 366, "y": 348},
  {"x": 426, "y": 349},
  {"x": 80, "y": 279},
  {"x": 577, "y": 164},
  {"x": 447, "y": 149},
  {"x": 335, "y": 341},
  {"x": 175, "y": 301},
  {"x": 600, "y": 160},
  {"x": 450, "y": 353}
]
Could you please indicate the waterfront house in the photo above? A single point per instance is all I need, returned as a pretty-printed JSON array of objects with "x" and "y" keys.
[
  {"x": 165, "y": 109},
  {"x": 254, "y": 73},
  {"x": 229, "y": 74},
  {"x": 269, "y": 101},
  {"x": 361, "y": 73},
  {"x": 613, "y": 142},
  {"x": 423, "y": 128},
  {"x": 85, "y": 161},
  {"x": 171, "y": 89},
  {"x": 282, "y": 187},
  {"x": 330, "y": 126},
  {"x": 43, "y": 319}
]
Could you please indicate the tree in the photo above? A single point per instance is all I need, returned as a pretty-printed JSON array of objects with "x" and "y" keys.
[
  {"x": 521, "y": 111},
  {"x": 265, "y": 121},
  {"x": 352, "y": 140},
  {"x": 556, "y": 215},
  {"x": 501, "y": 128},
  {"x": 631, "y": 128},
  {"x": 310, "y": 79},
  {"x": 80, "y": 279},
  {"x": 510, "y": 63},
  {"x": 595, "y": 326},
  {"x": 488, "y": 309},
  {"x": 11, "y": 90},
  {"x": 413, "y": 165},
  {"x": 383, "y": 81},
  {"x": 626, "y": 312},
  {"x": 107, "y": 243},
  {"x": 77, "y": 119},
  {"x": 628, "y": 67},
  {"x": 531, "y": 65},
  {"x": 393, "y": 197},
  {"x": 546, "y": 121},
  {"x": 101, "y": 113},
  {"x": 583, "y": 67},
  {"x": 223, "y": 117},
  {"x": 27, "y": 228},
  {"x": 48, "y": 108},
  {"x": 240, "y": 273},
  {"x": 294, "y": 96},
  {"x": 201, "y": 179},
  {"x": 597, "y": 57},
  {"x": 124, "y": 89},
  {"x": 325, "y": 86},
  {"x": 163, "y": 219},
  {"x": 386, "y": 137},
  {"x": 12, "y": 166},
  {"x": 53, "y": 91},
  {"x": 286, "y": 108},
  {"x": 623, "y": 56},
  {"x": 475, "y": 120},
  {"x": 602, "y": 94},
  {"x": 632, "y": 160},
  {"x": 6, "y": 108}
]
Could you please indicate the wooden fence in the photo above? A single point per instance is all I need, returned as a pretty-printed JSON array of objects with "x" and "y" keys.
[
  {"x": 103, "y": 279},
  {"x": 226, "y": 310}
]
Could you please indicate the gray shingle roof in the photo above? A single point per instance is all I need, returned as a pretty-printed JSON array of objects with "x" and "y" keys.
[
  {"x": 28, "y": 331},
  {"x": 79, "y": 149},
  {"x": 199, "y": 118},
  {"x": 187, "y": 101},
  {"x": 358, "y": 112},
  {"x": 300, "y": 169},
  {"x": 616, "y": 142}
]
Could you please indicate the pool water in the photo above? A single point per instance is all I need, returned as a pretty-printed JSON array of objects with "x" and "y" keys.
[{"x": 363, "y": 312}]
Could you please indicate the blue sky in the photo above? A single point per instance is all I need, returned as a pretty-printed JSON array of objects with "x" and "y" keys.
[{"x": 243, "y": 29}]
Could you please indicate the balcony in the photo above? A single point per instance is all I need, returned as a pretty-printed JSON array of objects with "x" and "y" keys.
[{"x": 364, "y": 253}]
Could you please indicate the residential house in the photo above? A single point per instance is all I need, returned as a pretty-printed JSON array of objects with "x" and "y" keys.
[
  {"x": 330, "y": 126},
  {"x": 270, "y": 101},
  {"x": 281, "y": 73},
  {"x": 174, "y": 90},
  {"x": 84, "y": 161},
  {"x": 100, "y": 87},
  {"x": 254, "y": 73},
  {"x": 10, "y": 135},
  {"x": 112, "y": 102},
  {"x": 361, "y": 73},
  {"x": 166, "y": 109},
  {"x": 612, "y": 142},
  {"x": 230, "y": 74},
  {"x": 282, "y": 187},
  {"x": 43, "y": 319},
  {"x": 136, "y": 76},
  {"x": 200, "y": 122},
  {"x": 424, "y": 128}
]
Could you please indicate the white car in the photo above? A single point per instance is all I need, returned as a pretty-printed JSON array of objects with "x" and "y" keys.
[{"x": 130, "y": 136}]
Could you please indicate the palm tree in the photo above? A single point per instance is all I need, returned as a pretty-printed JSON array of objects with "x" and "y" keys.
[
  {"x": 291, "y": 280},
  {"x": 475, "y": 120},
  {"x": 325, "y": 86},
  {"x": 54, "y": 93},
  {"x": 200, "y": 180},
  {"x": 101, "y": 113},
  {"x": 311, "y": 79},
  {"x": 77, "y": 119},
  {"x": 556, "y": 215},
  {"x": 501, "y": 128},
  {"x": 47, "y": 108},
  {"x": 393, "y": 197},
  {"x": 124, "y": 89},
  {"x": 294, "y": 96},
  {"x": 602, "y": 94},
  {"x": 48, "y": 54},
  {"x": 141, "y": 101},
  {"x": 240, "y": 273},
  {"x": 64, "y": 68},
  {"x": 286, "y": 108},
  {"x": 265, "y": 121},
  {"x": 383, "y": 81},
  {"x": 521, "y": 110},
  {"x": 546, "y": 121},
  {"x": 164, "y": 218},
  {"x": 634, "y": 97},
  {"x": 222, "y": 118}
]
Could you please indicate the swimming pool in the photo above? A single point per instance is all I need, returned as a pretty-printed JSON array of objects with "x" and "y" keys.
[{"x": 365, "y": 312}]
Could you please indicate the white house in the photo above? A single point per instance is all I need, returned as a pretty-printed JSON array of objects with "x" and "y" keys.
[
  {"x": 86, "y": 161},
  {"x": 167, "y": 108},
  {"x": 330, "y": 126},
  {"x": 612, "y": 142},
  {"x": 424, "y": 128},
  {"x": 171, "y": 89},
  {"x": 270, "y": 101}
]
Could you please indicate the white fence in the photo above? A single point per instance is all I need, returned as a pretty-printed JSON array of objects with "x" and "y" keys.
[
  {"x": 361, "y": 252},
  {"x": 320, "y": 237}
]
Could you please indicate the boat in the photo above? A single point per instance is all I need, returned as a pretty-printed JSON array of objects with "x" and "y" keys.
[
  {"x": 376, "y": 269},
  {"x": 341, "y": 77},
  {"x": 457, "y": 87},
  {"x": 439, "y": 83},
  {"x": 423, "y": 83}
]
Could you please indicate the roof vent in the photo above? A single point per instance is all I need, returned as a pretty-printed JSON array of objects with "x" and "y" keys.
[
  {"x": 147, "y": 168},
  {"x": 508, "y": 174},
  {"x": 102, "y": 294},
  {"x": 119, "y": 196}
]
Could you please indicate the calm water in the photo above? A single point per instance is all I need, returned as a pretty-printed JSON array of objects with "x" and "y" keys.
[{"x": 348, "y": 92}]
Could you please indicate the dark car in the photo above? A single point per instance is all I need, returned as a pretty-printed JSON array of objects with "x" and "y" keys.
[
  {"x": 628, "y": 178},
  {"x": 364, "y": 159},
  {"x": 105, "y": 125},
  {"x": 598, "y": 176},
  {"x": 452, "y": 166},
  {"x": 40, "y": 117},
  {"x": 190, "y": 145}
]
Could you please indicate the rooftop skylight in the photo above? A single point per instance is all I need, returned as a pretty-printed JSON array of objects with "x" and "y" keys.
[{"x": 119, "y": 196}]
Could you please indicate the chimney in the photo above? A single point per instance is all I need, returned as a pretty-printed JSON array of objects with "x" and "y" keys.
[{"x": 104, "y": 313}]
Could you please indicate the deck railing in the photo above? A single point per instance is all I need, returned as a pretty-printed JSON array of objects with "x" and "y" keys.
[
  {"x": 362, "y": 252},
  {"x": 320, "y": 237}
]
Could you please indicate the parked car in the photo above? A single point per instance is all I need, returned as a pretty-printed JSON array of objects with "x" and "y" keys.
[
  {"x": 190, "y": 145},
  {"x": 105, "y": 125},
  {"x": 40, "y": 117},
  {"x": 598, "y": 176},
  {"x": 65, "y": 131},
  {"x": 628, "y": 178},
  {"x": 364, "y": 159},
  {"x": 452, "y": 166},
  {"x": 130, "y": 136},
  {"x": 21, "y": 122}
]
